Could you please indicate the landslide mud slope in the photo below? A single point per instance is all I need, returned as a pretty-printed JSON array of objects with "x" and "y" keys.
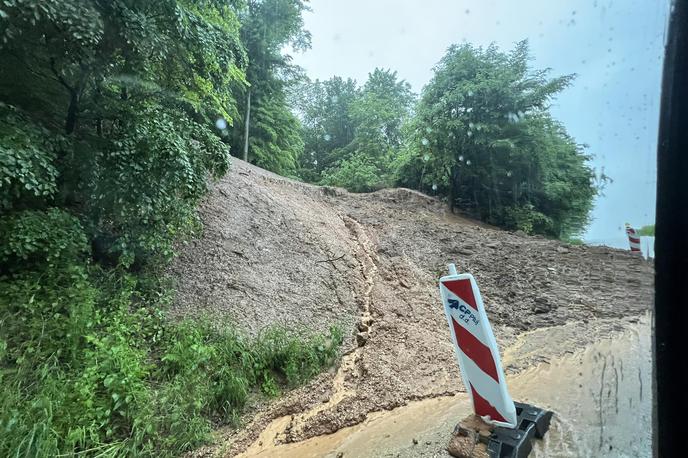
[{"x": 275, "y": 251}]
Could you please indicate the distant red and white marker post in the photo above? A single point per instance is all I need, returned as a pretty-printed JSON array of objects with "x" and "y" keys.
[
  {"x": 481, "y": 369},
  {"x": 633, "y": 239}
]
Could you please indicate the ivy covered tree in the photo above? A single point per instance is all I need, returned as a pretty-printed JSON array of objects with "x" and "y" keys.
[
  {"x": 274, "y": 140},
  {"x": 483, "y": 136}
]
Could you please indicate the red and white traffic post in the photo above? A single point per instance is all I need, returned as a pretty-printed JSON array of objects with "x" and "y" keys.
[
  {"x": 516, "y": 424},
  {"x": 633, "y": 239}
]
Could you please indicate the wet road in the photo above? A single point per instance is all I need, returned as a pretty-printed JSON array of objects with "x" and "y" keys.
[{"x": 601, "y": 396}]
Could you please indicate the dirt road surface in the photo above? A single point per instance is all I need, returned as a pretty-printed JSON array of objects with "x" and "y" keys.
[{"x": 275, "y": 251}]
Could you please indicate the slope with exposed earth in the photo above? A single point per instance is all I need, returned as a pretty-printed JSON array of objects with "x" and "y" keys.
[{"x": 276, "y": 251}]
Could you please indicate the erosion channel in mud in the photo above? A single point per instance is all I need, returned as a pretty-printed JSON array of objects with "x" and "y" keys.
[{"x": 601, "y": 396}]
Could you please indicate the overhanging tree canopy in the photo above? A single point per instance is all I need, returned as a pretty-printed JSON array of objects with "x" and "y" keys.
[{"x": 485, "y": 138}]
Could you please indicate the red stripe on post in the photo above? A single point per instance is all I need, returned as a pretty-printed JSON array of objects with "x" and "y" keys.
[
  {"x": 476, "y": 350},
  {"x": 483, "y": 407},
  {"x": 463, "y": 289}
]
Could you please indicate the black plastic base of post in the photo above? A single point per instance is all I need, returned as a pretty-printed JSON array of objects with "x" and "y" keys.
[{"x": 532, "y": 422}]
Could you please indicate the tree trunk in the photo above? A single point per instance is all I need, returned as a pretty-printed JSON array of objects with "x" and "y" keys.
[
  {"x": 72, "y": 110},
  {"x": 247, "y": 124},
  {"x": 453, "y": 185}
]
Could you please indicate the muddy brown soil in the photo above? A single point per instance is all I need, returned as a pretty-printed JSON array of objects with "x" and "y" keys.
[{"x": 275, "y": 251}]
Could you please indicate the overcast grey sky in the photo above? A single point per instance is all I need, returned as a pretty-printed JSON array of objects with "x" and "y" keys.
[{"x": 615, "y": 48}]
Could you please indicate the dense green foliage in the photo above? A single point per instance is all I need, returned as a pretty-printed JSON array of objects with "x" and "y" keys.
[
  {"x": 353, "y": 135},
  {"x": 648, "y": 230},
  {"x": 480, "y": 136},
  {"x": 484, "y": 137},
  {"x": 275, "y": 142},
  {"x": 86, "y": 371},
  {"x": 328, "y": 125},
  {"x": 109, "y": 108},
  {"x": 107, "y": 139}
]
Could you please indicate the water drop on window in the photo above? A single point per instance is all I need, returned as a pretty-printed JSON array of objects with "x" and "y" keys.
[{"x": 221, "y": 124}]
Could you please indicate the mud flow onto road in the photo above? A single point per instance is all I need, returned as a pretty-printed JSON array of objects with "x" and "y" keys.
[
  {"x": 278, "y": 252},
  {"x": 601, "y": 396}
]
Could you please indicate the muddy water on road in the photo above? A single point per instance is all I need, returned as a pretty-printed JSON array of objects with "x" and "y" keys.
[{"x": 601, "y": 397}]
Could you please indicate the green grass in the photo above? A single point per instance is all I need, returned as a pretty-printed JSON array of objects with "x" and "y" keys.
[{"x": 89, "y": 366}]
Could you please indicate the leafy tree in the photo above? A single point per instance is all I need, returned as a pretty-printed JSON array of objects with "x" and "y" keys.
[
  {"x": 109, "y": 110},
  {"x": 357, "y": 173},
  {"x": 484, "y": 137},
  {"x": 274, "y": 140},
  {"x": 347, "y": 128},
  {"x": 328, "y": 126}
]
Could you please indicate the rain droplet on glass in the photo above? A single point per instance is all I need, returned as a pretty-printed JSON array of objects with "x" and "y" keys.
[{"x": 221, "y": 124}]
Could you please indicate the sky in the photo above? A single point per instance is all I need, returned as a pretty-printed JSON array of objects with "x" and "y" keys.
[{"x": 614, "y": 47}]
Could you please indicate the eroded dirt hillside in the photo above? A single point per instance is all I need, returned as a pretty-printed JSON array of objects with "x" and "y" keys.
[{"x": 278, "y": 251}]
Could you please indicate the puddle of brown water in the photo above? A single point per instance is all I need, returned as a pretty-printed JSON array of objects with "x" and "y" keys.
[{"x": 601, "y": 397}]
